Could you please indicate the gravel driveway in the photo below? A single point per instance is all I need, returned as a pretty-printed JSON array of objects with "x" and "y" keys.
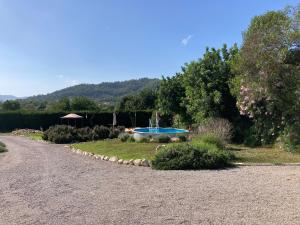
[{"x": 47, "y": 184}]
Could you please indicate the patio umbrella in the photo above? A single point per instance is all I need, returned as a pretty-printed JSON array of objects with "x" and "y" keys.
[{"x": 72, "y": 116}]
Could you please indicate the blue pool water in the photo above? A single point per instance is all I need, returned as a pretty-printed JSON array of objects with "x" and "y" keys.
[{"x": 146, "y": 130}]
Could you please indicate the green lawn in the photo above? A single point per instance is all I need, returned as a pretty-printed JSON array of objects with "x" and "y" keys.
[
  {"x": 124, "y": 150},
  {"x": 263, "y": 155},
  {"x": 127, "y": 150}
]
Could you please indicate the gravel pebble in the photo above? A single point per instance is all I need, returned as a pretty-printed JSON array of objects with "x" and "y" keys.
[{"x": 44, "y": 183}]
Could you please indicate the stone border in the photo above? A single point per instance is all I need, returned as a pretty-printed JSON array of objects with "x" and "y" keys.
[{"x": 115, "y": 159}]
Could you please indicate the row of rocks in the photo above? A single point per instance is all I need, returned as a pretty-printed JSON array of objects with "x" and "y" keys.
[
  {"x": 115, "y": 159},
  {"x": 20, "y": 132}
]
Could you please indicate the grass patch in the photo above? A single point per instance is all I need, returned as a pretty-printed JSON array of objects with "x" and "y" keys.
[
  {"x": 272, "y": 155},
  {"x": 35, "y": 136},
  {"x": 131, "y": 150},
  {"x": 123, "y": 150}
]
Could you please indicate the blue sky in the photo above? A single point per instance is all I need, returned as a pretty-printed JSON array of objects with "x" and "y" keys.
[{"x": 51, "y": 44}]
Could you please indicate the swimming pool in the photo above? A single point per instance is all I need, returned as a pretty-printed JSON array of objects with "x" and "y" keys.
[{"x": 141, "y": 132}]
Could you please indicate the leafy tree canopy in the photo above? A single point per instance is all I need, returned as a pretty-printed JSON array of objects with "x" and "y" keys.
[
  {"x": 11, "y": 105},
  {"x": 207, "y": 87}
]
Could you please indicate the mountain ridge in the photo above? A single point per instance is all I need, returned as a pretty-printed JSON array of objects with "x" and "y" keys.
[
  {"x": 105, "y": 91},
  {"x": 7, "y": 97}
]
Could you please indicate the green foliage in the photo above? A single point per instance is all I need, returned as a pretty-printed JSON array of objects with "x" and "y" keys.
[
  {"x": 170, "y": 97},
  {"x": 143, "y": 140},
  {"x": 105, "y": 92},
  {"x": 207, "y": 85},
  {"x": 84, "y": 134},
  {"x": 83, "y": 104},
  {"x": 268, "y": 86},
  {"x": 252, "y": 139},
  {"x": 114, "y": 132},
  {"x": 161, "y": 139},
  {"x": 66, "y": 134},
  {"x": 10, "y": 121},
  {"x": 217, "y": 127},
  {"x": 188, "y": 157},
  {"x": 210, "y": 138},
  {"x": 62, "y": 105},
  {"x": 60, "y": 134},
  {"x": 124, "y": 137},
  {"x": 100, "y": 132},
  {"x": 2, "y": 144},
  {"x": 144, "y": 100},
  {"x": 291, "y": 137},
  {"x": 2, "y": 147},
  {"x": 182, "y": 138},
  {"x": 11, "y": 105}
]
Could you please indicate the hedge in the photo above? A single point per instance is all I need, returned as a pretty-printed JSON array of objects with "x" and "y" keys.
[{"x": 43, "y": 120}]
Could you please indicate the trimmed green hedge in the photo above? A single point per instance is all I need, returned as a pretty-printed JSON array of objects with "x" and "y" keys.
[{"x": 43, "y": 120}]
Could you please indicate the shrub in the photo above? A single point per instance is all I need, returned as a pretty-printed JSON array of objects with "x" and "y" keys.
[
  {"x": 143, "y": 140},
  {"x": 123, "y": 137},
  {"x": 290, "y": 139},
  {"x": 60, "y": 134},
  {"x": 2, "y": 144},
  {"x": 114, "y": 133},
  {"x": 218, "y": 127},
  {"x": 252, "y": 139},
  {"x": 211, "y": 139},
  {"x": 131, "y": 139},
  {"x": 2, "y": 147},
  {"x": 162, "y": 139},
  {"x": 182, "y": 138},
  {"x": 84, "y": 134},
  {"x": 185, "y": 156},
  {"x": 100, "y": 132}
]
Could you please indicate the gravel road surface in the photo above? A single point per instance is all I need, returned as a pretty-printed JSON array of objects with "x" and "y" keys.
[{"x": 47, "y": 184}]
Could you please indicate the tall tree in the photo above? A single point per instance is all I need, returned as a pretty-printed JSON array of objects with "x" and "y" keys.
[
  {"x": 11, "y": 105},
  {"x": 171, "y": 96},
  {"x": 82, "y": 104},
  {"x": 207, "y": 87},
  {"x": 268, "y": 87}
]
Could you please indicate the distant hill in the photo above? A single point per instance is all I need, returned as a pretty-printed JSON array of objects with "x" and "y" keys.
[
  {"x": 7, "y": 97},
  {"x": 107, "y": 91}
]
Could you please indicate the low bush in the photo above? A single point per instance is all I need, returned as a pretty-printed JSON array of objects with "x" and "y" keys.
[
  {"x": 114, "y": 132},
  {"x": 123, "y": 137},
  {"x": 100, "y": 132},
  {"x": 60, "y": 134},
  {"x": 290, "y": 139},
  {"x": 161, "y": 139},
  {"x": 185, "y": 156},
  {"x": 84, "y": 134},
  {"x": 131, "y": 139},
  {"x": 251, "y": 138},
  {"x": 182, "y": 138},
  {"x": 2, "y": 147},
  {"x": 218, "y": 127},
  {"x": 211, "y": 139},
  {"x": 63, "y": 134},
  {"x": 143, "y": 140}
]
